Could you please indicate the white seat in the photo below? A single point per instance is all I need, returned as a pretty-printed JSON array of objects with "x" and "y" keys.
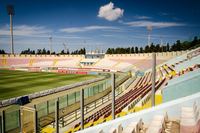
[
  {"x": 190, "y": 114},
  {"x": 189, "y": 109},
  {"x": 188, "y": 122},
  {"x": 158, "y": 118},
  {"x": 187, "y": 115},
  {"x": 113, "y": 130},
  {"x": 131, "y": 128},
  {"x": 157, "y": 124},
  {"x": 153, "y": 130}
]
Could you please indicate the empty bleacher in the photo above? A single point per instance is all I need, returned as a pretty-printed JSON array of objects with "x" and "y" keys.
[
  {"x": 142, "y": 87},
  {"x": 180, "y": 116},
  {"x": 136, "y": 98}
]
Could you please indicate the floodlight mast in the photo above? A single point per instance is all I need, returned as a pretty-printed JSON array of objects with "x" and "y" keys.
[
  {"x": 50, "y": 39},
  {"x": 161, "y": 43},
  {"x": 65, "y": 47},
  {"x": 11, "y": 12},
  {"x": 149, "y": 29}
]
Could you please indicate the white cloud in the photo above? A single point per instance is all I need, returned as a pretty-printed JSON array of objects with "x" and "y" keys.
[
  {"x": 87, "y": 28},
  {"x": 109, "y": 12},
  {"x": 108, "y": 35},
  {"x": 33, "y": 31},
  {"x": 153, "y": 24},
  {"x": 142, "y": 17},
  {"x": 25, "y": 30}
]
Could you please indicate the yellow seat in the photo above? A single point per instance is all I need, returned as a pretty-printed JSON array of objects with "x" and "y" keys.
[
  {"x": 76, "y": 129},
  {"x": 137, "y": 108},
  {"x": 55, "y": 62},
  {"x": 158, "y": 99},
  {"x": 4, "y": 62},
  {"x": 31, "y": 61},
  {"x": 174, "y": 73},
  {"x": 100, "y": 120},
  {"x": 88, "y": 124},
  {"x": 70, "y": 130},
  {"x": 122, "y": 113},
  {"x": 109, "y": 118},
  {"x": 96, "y": 122},
  {"x": 48, "y": 130},
  {"x": 165, "y": 67}
]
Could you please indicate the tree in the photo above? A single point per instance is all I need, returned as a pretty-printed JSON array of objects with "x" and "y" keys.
[
  {"x": 132, "y": 50},
  {"x": 44, "y": 51},
  {"x": 152, "y": 48},
  {"x": 136, "y": 49},
  {"x": 147, "y": 49},
  {"x": 112, "y": 51},
  {"x": 62, "y": 52},
  {"x": 194, "y": 42},
  {"x": 173, "y": 47},
  {"x": 128, "y": 50},
  {"x": 39, "y": 51},
  {"x": 164, "y": 49},
  {"x": 141, "y": 50},
  {"x": 168, "y": 47},
  {"x": 109, "y": 51},
  {"x": 68, "y": 52},
  {"x": 48, "y": 52},
  {"x": 178, "y": 45},
  {"x": 2, "y": 51},
  {"x": 84, "y": 51},
  {"x": 157, "y": 48}
]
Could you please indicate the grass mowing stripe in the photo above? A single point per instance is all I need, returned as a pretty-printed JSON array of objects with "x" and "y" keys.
[
  {"x": 22, "y": 78},
  {"x": 48, "y": 81},
  {"x": 16, "y": 83},
  {"x": 35, "y": 76}
]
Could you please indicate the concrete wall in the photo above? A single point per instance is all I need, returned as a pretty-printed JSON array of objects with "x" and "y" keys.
[
  {"x": 18, "y": 56},
  {"x": 161, "y": 55}
]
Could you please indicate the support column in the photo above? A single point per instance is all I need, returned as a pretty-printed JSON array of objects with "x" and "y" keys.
[
  {"x": 36, "y": 120},
  {"x": 20, "y": 121},
  {"x": 153, "y": 79},
  {"x": 0, "y": 124},
  {"x": 47, "y": 107},
  {"x": 3, "y": 122},
  {"x": 113, "y": 95},
  {"x": 11, "y": 33},
  {"x": 57, "y": 115},
  {"x": 82, "y": 107}
]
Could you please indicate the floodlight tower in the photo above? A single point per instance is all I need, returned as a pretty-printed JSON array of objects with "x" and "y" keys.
[
  {"x": 65, "y": 47},
  {"x": 85, "y": 45},
  {"x": 50, "y": 40},
  {"x": 11, "y": 12},
  {"x": 149, "y": 29},
  {"x": 161, "y": 43}
]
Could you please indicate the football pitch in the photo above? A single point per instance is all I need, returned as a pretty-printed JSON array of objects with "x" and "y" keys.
[{"x": 17, "y": 83}]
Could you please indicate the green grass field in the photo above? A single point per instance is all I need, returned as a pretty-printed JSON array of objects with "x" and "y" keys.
[{"x": 17, "y": 83}]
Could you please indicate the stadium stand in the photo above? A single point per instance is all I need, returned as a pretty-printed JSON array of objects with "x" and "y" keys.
[
  {"x": 180, "y": 116},
  {"x": 166, "y": 71},
  {"x": 116, "y": 62},
  {"x": 136, "y": 96}
]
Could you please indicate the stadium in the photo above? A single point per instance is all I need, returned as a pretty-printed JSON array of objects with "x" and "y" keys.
[{"x": 122, "y": 90}]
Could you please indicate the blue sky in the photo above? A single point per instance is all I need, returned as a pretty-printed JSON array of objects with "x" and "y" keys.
[{"x": 97, "y": 23}]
